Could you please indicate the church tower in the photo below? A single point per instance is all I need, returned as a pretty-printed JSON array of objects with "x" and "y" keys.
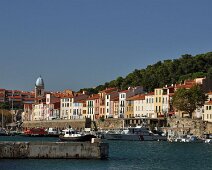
[{"x": 39, "y": 89}]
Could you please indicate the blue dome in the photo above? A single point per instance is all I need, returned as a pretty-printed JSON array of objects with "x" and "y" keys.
[{"x": 39, "y": 82}]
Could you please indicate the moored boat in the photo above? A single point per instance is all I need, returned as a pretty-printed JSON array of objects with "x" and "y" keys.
[
  {"x": 137, "y": 133},
  {"x": 74, "y": 136},
  {"x": 208, "y": 141},
  {"x": 35, "y": 132}
]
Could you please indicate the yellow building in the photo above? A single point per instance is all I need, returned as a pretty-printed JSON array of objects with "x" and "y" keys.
[{"x": 158, "y": 96}]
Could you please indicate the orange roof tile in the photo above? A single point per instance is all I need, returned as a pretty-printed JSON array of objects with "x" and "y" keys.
[
  {"x": 150, "y": 94},
  {"x": 137, "y": 97},
  {"x": 124, "y": 91},
  {"x": 209, "y": 103},
  {"x": 95, "y": 96}
]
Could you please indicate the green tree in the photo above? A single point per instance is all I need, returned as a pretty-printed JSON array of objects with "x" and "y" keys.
[
  {"x": 188, "y": 100},
  {"x": 5, "y": 113}
]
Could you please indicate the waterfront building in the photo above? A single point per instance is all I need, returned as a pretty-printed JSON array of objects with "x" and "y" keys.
[
  {"x": 27, "y": 113},
  {"x": 84, "y": 108},
  {"x": 115, "y": 105},
  {"x": 123, "y": 95},
  {"x": 207, "y": 114},
  {"x": 109, "y": 104},
  {"x": 47, "y": 110},
  {"x": 129, "y": 113},
  {"x": 38, "y": 111},
  {"x": 92, "y": 104},
  {"x": 103, "y": 111},
  {"x": 158, "y": 95},
  {"x": 149, "y": 98},
  {"x": 139, "y": 106},
  {"x": 77, "y": 106},
  {"x": 167, "y": 93},
  {"x": 136, "y": 107},
  {"x": 52, "y": 107},
  {"x": 65, "y": 107}
]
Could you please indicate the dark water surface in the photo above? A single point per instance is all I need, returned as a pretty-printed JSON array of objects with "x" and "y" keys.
[{"x": 123, "y": 155}]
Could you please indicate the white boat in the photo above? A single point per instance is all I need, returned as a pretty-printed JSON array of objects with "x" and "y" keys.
[
  {"x": 137, "y": 133},
  {"x": 188, "y": 139},
  {"x": 208, "y": 140},
  {"x": 74, "y": 136}
]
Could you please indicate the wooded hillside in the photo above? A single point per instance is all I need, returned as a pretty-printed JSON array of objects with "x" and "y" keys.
[{"x": 163, "y": 73}]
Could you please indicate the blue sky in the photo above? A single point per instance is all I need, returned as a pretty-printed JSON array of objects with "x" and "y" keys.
[{"x": 84, "y": 43}]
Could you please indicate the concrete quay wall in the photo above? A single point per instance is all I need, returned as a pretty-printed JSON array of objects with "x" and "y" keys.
[
  {"x": 76, "y": 124},
  {"x": 55, "y": 150}
]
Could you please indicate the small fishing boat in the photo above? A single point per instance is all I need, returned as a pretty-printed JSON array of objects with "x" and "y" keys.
[
  {"x": 74, "y": 136},
  {"x": 35, "y": 132}
]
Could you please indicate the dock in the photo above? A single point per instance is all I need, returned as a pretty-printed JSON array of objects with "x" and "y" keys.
[{"x": 54, "y": 150}]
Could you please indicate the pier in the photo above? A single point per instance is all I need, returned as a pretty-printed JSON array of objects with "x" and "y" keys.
[{"x": 54, "y": 150}]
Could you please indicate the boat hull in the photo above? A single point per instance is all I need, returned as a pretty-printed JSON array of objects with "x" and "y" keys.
[
  {"x": 82, "y": 138},
  {"x": 134, "y": 137}
]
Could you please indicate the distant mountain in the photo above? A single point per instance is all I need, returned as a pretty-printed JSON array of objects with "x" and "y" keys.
[{"x": 163, "y": 73}]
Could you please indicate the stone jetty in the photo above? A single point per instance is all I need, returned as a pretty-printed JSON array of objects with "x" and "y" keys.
[{"x": 55, "y": 150}]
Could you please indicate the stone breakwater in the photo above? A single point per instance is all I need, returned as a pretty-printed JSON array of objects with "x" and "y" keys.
[{"x": 54, "y": 150}]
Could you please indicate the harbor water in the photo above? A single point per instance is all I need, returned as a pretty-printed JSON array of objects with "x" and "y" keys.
[{"x": 122, "y": 155}]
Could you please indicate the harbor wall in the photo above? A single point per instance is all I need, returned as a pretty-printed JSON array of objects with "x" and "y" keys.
[
  {"x": 182, "y": 126},
  {"x": 76, "y": 124},
  {"x": 54, "y": 150}
]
